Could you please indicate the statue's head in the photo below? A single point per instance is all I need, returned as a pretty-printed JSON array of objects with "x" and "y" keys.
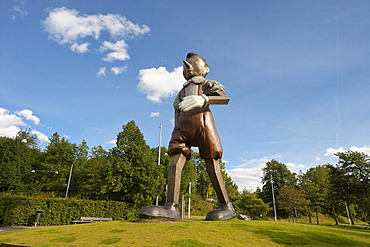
[{"x": 195, "y": 65}]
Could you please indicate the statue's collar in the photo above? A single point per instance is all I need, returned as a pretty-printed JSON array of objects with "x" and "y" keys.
[{"x": 195, "y": 79}]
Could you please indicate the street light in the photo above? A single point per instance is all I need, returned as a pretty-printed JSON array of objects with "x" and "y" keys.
[
  {"x": 273, "y": 197},
  {"x": 69, "y": 181},
  {"x": 34, "y": 171},
  {"x": 159, "y": 155},
  {"x": 57, "y": 172}
]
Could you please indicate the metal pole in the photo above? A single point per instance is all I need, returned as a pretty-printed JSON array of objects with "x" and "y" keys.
[
  {"x": 160, "y": 143},
  {"x": 159, "y": 155},
  {"x": 273, "y": 197},
  {"x": 69, "y": 181},
  {"x": 182, "y": 207},
  {"x": 189, "y": 200}
]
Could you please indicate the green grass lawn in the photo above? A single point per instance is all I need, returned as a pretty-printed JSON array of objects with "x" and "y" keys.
[{"x": 191, "y": 233}]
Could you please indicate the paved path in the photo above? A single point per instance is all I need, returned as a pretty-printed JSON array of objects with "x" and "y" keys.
[{"x": 13, "y": 228}]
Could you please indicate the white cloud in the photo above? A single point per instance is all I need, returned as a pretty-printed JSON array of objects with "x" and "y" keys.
[
  {"x": 119, "y": 51},
  {"x": 9, "y": 123},
  {"x": 159, "y": 83},
  {"x": 118, "y": 70},
  {"x": 101, "y": 71},
  {"x": 250, "y": 177},
  {"x": 28, "y": 114},
  {"x": 246, "y": 178},
  {"x": 295, "y": 167},
  {"x": 154, "y": 114},
  {"x": 114, "y": 86},
  {"x": 42, "y": 137},
  {"x": 331, "y": 151},
  {"x": 80, "y": 48},
  {"x": 19, "y": 9},
  {"x": 68, "y": 26},
  {"x": 112, "y": 142}
]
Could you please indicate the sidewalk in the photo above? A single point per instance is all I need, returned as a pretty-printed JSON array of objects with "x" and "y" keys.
[{"x": 14, "y": 228}]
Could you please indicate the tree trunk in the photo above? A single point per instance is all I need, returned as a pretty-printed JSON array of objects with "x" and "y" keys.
[
  {"x": 350, "y": 214},
  {"x": 296, "y": 214},
  {"x": 309, "y": 215},
  {"x": 317, "y": 217},
  {"x": 335, "y": 215}
]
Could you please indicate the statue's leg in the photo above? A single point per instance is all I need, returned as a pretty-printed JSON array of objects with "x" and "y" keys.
[
  {"x": 170, "y": 209},
  {"x": 214, "y": 172},
  {"x": 226, "y": 211},
  {"x": 175, "y": 167}
]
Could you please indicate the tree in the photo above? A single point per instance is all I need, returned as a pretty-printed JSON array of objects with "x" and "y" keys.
[
  {"x": 280, "y": 176},
  {"x": 163, "y": 168},
  {"x": 25, "y": 136},
  {"x": 80, "y": 165},
  {"x": 16, "y": 161},
  {"x": 316, "y": 184},
  {"x": 93, "y": 174},
  {"x": 291, "y": 198},
  {"x": 350, "y": 181},
  {"x": 250, "y": 205},
  {"x": 203, "y": 182},
  {"x": 133, "y": 174},
  {"x": 53, "y": 172}
]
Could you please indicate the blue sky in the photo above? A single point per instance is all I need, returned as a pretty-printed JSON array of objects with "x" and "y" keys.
[{"x": 297, "y": 73}]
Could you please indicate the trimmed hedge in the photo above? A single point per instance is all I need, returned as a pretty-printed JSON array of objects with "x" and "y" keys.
[{"x": 20, "y": 210}]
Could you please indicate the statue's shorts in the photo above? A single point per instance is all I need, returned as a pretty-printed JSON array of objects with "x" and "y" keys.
[{"x": 196, "y": 128}]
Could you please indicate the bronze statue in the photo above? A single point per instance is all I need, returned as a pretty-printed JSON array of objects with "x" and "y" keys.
[{"x": 194, "y": 126}]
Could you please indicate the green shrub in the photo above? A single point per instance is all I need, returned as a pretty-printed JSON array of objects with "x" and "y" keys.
[{"x": 20, "y": 210}]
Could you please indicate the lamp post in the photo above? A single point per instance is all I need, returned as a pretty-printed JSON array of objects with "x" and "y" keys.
[
  {"x": 273, "y": 197},
  {"x": 159, "y": 155},
  {"x": 189, "y": 200},
  {"x": 69, "y": 181}
]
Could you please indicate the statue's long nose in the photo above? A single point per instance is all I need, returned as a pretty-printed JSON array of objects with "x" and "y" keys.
[{"x": 188, "y": 65}]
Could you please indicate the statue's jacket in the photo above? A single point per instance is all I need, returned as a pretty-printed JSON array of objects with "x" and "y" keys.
[{"x": 196, "y": 127}]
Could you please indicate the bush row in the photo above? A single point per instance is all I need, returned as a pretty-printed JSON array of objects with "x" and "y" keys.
[{"x": 20, "y": 210}]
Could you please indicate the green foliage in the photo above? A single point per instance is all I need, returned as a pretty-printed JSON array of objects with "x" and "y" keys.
[
  {"x": 16, "y": 160},
  {"x": 25, "y": 136},
  {"x": 250, "y": 205},
  {"x": 133, "y": 174},
  {"x": 20, "y": 210},
  {"x": 280, "y": 175},
  {"x": 350, "y": 182},
  {"x": 199, "y": 206},
  {"x": 291, "y": 198},
  {"x": 203, "y": 183}
]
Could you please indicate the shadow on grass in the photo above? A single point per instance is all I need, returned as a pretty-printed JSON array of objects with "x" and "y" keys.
[
  {"x": 6, "y": 240},
  {"x": 64, "y": 239},
  {"x": 110, "y": 241},
  {"x": 314, "y": 236}
]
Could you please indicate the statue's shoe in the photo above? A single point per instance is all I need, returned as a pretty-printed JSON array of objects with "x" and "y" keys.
[
  {"x": 168, "y": 212},
  {"x": 225, "y": 212}
]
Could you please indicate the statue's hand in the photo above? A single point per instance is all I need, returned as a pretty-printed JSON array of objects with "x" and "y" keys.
[{"x": 193, "y": 101}]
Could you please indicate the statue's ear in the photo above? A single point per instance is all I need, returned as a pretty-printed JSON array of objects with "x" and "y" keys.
[{"x": 206, "y": 70}]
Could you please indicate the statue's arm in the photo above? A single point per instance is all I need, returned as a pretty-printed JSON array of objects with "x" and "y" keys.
[
  {"x": 215, "y": 92},
  {"x": 220, "y": 99}
]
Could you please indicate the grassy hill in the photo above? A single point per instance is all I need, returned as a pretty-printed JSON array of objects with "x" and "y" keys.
[{"x": 191, "y": 233}]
